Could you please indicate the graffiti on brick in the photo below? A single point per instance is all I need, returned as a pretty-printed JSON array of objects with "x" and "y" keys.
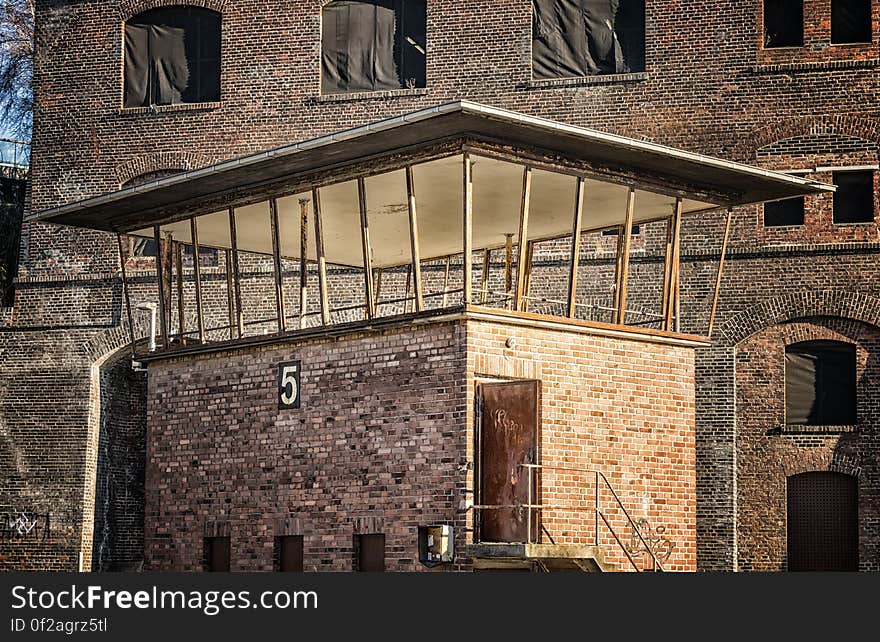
[
  {"x": 652, "y": 536},
  {"x": 24, "y": 525}
]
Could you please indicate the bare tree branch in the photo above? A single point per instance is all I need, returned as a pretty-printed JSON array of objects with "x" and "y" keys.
[{"x": 16, "y": 67}]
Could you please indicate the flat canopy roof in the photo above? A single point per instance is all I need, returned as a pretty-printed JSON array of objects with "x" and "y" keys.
[{"x": 691, "y": 175}]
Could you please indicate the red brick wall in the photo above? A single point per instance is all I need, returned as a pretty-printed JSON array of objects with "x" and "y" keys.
[
  {"x": 624, "y": 407},
  {"x": 767, "y": 454},
  {"x": 384, "y": 436}
]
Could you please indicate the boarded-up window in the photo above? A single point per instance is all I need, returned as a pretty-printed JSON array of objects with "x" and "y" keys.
[
  {"x": 850, "y": 21},
  {"x": 289, "y": 554},
  {"x": 572, "y": 38},
  {"x": 854, "y": 198},
  {"x": 373, "y": 45},
  {"x": 786, "y": 212},
  {"x": 217, "y": 554},
  {"x": 783, "y": 23},
  {"x": 172, "y": 55},
  {"x": 370, "y": 553},
  {"x": 820, "y": 383}
]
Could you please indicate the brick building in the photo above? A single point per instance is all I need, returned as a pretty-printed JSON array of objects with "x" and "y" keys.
[{"x": 729, "y": 80}]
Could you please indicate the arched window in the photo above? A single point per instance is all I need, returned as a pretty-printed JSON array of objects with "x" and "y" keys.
[
  {"x": 373, "y": 45},
  {"x": 172, "y": 55},
  {"x": 820, "y": 383}
]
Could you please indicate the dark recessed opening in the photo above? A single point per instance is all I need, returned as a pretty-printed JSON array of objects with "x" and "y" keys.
[
  {"x": 370, "y": 553},
  {"x": 854, "y": 198},
  {"x": 289, "y": 554},
  {"x": 787, "y": 212},
  {"x": 850, "y": 21},
  {"x": 217, "y": 551},
  {"x": 783, "y": 23},
  {"x": 820, "y": 383}
]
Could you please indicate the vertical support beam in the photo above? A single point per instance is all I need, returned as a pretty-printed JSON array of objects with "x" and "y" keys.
[
  {"x": 378, "y": 289},
  {"x": 406, "y": 289},
  {"x": 369, "y": 298},
  {"x": 671, "y": 322},
  {"x": 523, "y": 240},
  {"x": 126, "y": 294},
  {"x": 624, "y": 272},
  {"x": 415, "y": 251},
  {"x": 322, "y": 262},
  {"x": 667, "y": 272},
  {"x": 230, "y": 292},
  {"x": 467, "y": 225},
  {"x": 446, "y": 281},
  {"x": 160, "y": 278},
  {"x": 181, "y": 304},
  {"x": 575, "y": 246},
  {"x": 167, "y": 250},
  {"x": 484, "y": 277},
  {"x": 276, "y": 256},
  {"x": 508, "y": 270},
  {"x": 720, "y": 272},
  {"x": 617, "y": 270},
  {"x": 303, "y": 261},
  {"x": 530, "y": 256},
  {"x": 197, "y": 269},
  {"x": 236, "y": 278}
]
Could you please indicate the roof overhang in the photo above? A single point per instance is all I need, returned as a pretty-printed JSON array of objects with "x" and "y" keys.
[{"x": 713, "y": 181}]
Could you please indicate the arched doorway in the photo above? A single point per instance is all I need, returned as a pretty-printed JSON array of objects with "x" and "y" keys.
[{"x": 822, "y": 522}]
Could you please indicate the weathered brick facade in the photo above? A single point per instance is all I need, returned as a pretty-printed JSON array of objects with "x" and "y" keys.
[
  {"x": 709, "y": 86},
  {"x": 384, "y": 440}
]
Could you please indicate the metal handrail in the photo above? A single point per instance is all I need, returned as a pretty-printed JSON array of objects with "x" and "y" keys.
[
  {"x": 598, "y": 514},
  {"x": 599, "y": 474}
]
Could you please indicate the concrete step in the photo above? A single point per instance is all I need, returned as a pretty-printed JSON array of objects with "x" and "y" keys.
[{"x": 552, "y": 558}]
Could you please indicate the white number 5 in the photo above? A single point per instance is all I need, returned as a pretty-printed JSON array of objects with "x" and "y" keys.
[{"x": 288, "y": 384}]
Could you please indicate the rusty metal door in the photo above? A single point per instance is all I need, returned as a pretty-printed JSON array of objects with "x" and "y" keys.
[
  {"x": 508, "y": 438},
  {"x": 823, "y": 522}
]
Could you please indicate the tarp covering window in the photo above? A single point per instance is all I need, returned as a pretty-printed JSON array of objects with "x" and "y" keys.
[
  {"x": 172, "y": 55},
  {"x": 587, "y": 37},
  {"x": 820, "y": 383},
  {"x": 373, "y": 45}
]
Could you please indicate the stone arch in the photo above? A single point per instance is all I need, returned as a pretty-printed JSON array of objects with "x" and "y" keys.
[
  {"x": 848, "y": 125},
  {"x": 858, "y": 306},
  {"x": 129, "y": 8},
  {"x": 159, "y": 162}
]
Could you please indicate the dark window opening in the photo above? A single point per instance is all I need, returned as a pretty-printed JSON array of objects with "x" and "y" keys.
[
  {"x": 373, "y": 45},
  {"x": 854, "y": 198},
  {"x": 217, "y": 551},
  {"x": 289, "y": 554},
  {"x": 820, "y": 383},
  {"x": 369, "y": 553},
  {"x": 573, "y": 38},
  {"x": 787, "y": 212},
  {"x": 783, "y": 23},
  {"x": 172, "y": 55},
  {"x": 850, "y": 21}
]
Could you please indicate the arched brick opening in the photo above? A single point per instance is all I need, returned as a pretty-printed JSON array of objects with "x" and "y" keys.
[
  {"x": 129, "y": 8},
  {"x": 111, "y": 536},
  {"x": 857, "y": 306},
  {"x": 148, "y": 164},
  {"x": 767, "y": 451},
  {"x": 841, "y": 125}
]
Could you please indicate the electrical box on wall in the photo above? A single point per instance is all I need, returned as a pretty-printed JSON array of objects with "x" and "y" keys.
[{"x": 436, "y": 545}]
